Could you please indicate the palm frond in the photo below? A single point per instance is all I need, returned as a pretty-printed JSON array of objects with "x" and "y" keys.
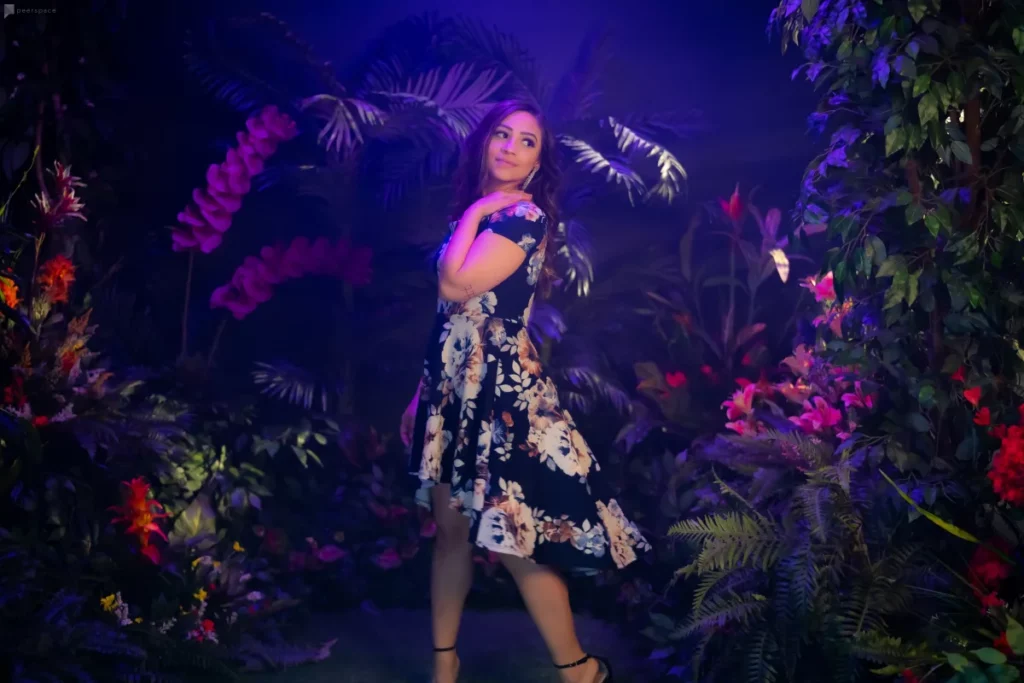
[
  {"x": 671, "y": 173},
  {"x": 614, "y": 171},
  {"x": 492, "y": 49},
  {"x": 459, "y": 98},
  {"x": 577, "y": 249},
  {"x": 345, "y": 118},
  {"x": 590, "y": 384},
  {"x": 288, "y": 382},
  {"x": 578, "y": 91},
  {"x": 546, "y": 322}
]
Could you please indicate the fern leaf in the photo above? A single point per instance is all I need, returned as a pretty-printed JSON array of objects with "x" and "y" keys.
[
  {"x": 761, "y": 655},
  {"x": 731, "y": 540},
  {"x": 719, "y": 610},
  {"x": 879, "y": 648},
  {"x": 707, "y": 582},
  {"x": 813, "y": 504}
]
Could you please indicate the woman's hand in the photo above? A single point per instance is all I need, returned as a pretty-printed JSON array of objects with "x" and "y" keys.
[
  {"x": 408, "y": 424},
  {"x": 496, "y": 201}
]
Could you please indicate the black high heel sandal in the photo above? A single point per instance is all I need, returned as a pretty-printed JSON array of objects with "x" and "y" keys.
[
  {"x": 604, "y": 666},
  {"x": 458, "y": 662}
]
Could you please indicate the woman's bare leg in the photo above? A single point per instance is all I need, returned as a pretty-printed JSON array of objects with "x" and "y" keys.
[
  {"x": 450, "y": 580},
  {"x": 547, "y": 599}
]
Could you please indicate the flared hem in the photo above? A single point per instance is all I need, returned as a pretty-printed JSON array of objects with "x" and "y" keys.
[{"x": 563, "y": 556}]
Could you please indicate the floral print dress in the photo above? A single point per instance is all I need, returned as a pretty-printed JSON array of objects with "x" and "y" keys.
[{"x": 490, "y": 425}]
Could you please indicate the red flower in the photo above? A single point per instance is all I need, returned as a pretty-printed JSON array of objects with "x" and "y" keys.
[
  {"x": 205, "y": 220},
  {"x": 139, "y": 512},
  {"x": 1007, "y": 472},
  {"x": 998, "y": 431},
  {"x": 988, "y": 569},
  {"x": 989, "y": 600},
  {"x": 983, "y": 418},
  {"x": 910, "y": 677},
  {"x": 253, "y": 282},
  {"x": 958, "y": 376},
  {"x": 675, "y": 379},
  {"x": 710, "y": 373},
  {"x": 14, "y": 395},
  {"x": 55, "y": 278},
  {"x": 40, "y": 421},
  {"x": 973, "y": 395},
  {"x": 1003, "y": 644},
  {"x": 823, "y": 289},
  {"x": 733, "y": 208}
]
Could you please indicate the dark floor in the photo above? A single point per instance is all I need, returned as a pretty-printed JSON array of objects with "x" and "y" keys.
[{"x": 394, "y": 647}]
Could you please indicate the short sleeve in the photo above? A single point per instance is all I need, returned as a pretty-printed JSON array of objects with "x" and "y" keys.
[{"x": 524, "y": 223}]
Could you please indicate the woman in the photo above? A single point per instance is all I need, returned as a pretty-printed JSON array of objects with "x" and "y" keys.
[{"x": 500, "y": 463}]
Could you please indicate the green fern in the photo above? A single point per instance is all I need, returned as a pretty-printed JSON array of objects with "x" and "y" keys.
[
  {"x": 761, "y": 654},
  {"x": 731, "y": 540},
  {"x": 719, "y": 610},
  {"x": 879, "y": 648}
]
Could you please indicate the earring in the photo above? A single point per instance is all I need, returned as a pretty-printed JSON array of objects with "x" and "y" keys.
[{"x": 533, "y": 172}]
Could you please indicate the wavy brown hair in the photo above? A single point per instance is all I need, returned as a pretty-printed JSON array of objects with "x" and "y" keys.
[{"x": 472, "y": 173}]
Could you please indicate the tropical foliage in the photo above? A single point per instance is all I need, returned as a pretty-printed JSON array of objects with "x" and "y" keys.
[{"x": 883, "y": 535}]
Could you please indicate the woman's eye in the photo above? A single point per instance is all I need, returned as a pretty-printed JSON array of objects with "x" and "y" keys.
[{"x": 529, "y": 143}]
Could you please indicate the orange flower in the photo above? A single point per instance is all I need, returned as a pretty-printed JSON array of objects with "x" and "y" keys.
[
  {"x": 138, "y": 510},
  {"x": 55, "y": 278},
  {"x": 8, "y": 292}
]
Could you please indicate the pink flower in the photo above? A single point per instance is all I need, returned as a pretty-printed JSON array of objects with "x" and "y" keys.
[
  {"x": 859, "y": 399},
  {"x": 253, "y": 282},
  {"x": 389, "y": 559},
  {"x": 818, "y": 415},
  {"x": 801, "y": 360},
  {"x": 675, "y": 379},
  {"x": 823, "y": 289},
  {"x": 742, "y": 402},
  {"x": 204, "y": 221},
  {"x": 329, "y": 553},
  {"x": 741, "y": 427},
  {"x": 64, "y": 205},
  {"x": 797, "y": 393}
]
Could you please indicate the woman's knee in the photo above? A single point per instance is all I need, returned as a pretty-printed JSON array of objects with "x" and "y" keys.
[{"x": 452, "y": 529}]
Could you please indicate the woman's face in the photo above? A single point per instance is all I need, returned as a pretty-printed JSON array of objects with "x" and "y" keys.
[{"x": 514, "y": 148}]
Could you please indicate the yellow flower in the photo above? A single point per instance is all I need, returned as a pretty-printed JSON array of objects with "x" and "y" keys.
[
  {"x": 201, "y": 595},
  {"x": 108, "y": 603},
  {"x": 216, "y": 564},
  {"x": 237, "y": 547},
  {"x": 197, "y": 561},
  {"x": 138, "y": 620}
]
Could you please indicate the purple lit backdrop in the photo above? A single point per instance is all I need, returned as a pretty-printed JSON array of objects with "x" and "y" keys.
[{"x": 713, "y": 55}]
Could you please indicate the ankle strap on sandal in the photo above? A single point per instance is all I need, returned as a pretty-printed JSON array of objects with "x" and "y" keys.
[
  {"x": 586, "y": 658},
  {"x": 444, "y": 649}
]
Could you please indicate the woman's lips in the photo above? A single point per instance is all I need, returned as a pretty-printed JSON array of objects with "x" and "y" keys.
[{"x": 502, "y": 162}]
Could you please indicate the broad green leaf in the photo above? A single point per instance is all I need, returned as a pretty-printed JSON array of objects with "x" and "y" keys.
[
  {"x": 913, "y": 282},
  {"x": 895, "y": 294},
  {"x": 914, "y": 213},
  {"x": 1015, "y": 635},
  {"x": 917, "y": 10},
  {"x": 961, "y": 151},
  {"x": 1002, "y": 673},
  {"x": 918, "y": 422},
  {"x": 921, "y": 84},
  {"x": 926, "y": 395},
  {"x": 875, "y": 248},
  {"x": 196, "y": 525},
  {"x": 810, "y": 8},
  {"x": 928, "y": 109},
  {"x": 933, "y": 224},
  {"x": 890, "y": 670},
  {"x": 990, "y": 655},
  {"x": 1018, "y": 39},
  {"x": 892, "y": 265},
  {"x": 935, "y": 519},
  {"x": 894, "y": 141}
]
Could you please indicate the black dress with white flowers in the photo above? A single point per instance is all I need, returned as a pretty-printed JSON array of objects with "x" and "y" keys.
[{"x": 489, "y": 423}]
